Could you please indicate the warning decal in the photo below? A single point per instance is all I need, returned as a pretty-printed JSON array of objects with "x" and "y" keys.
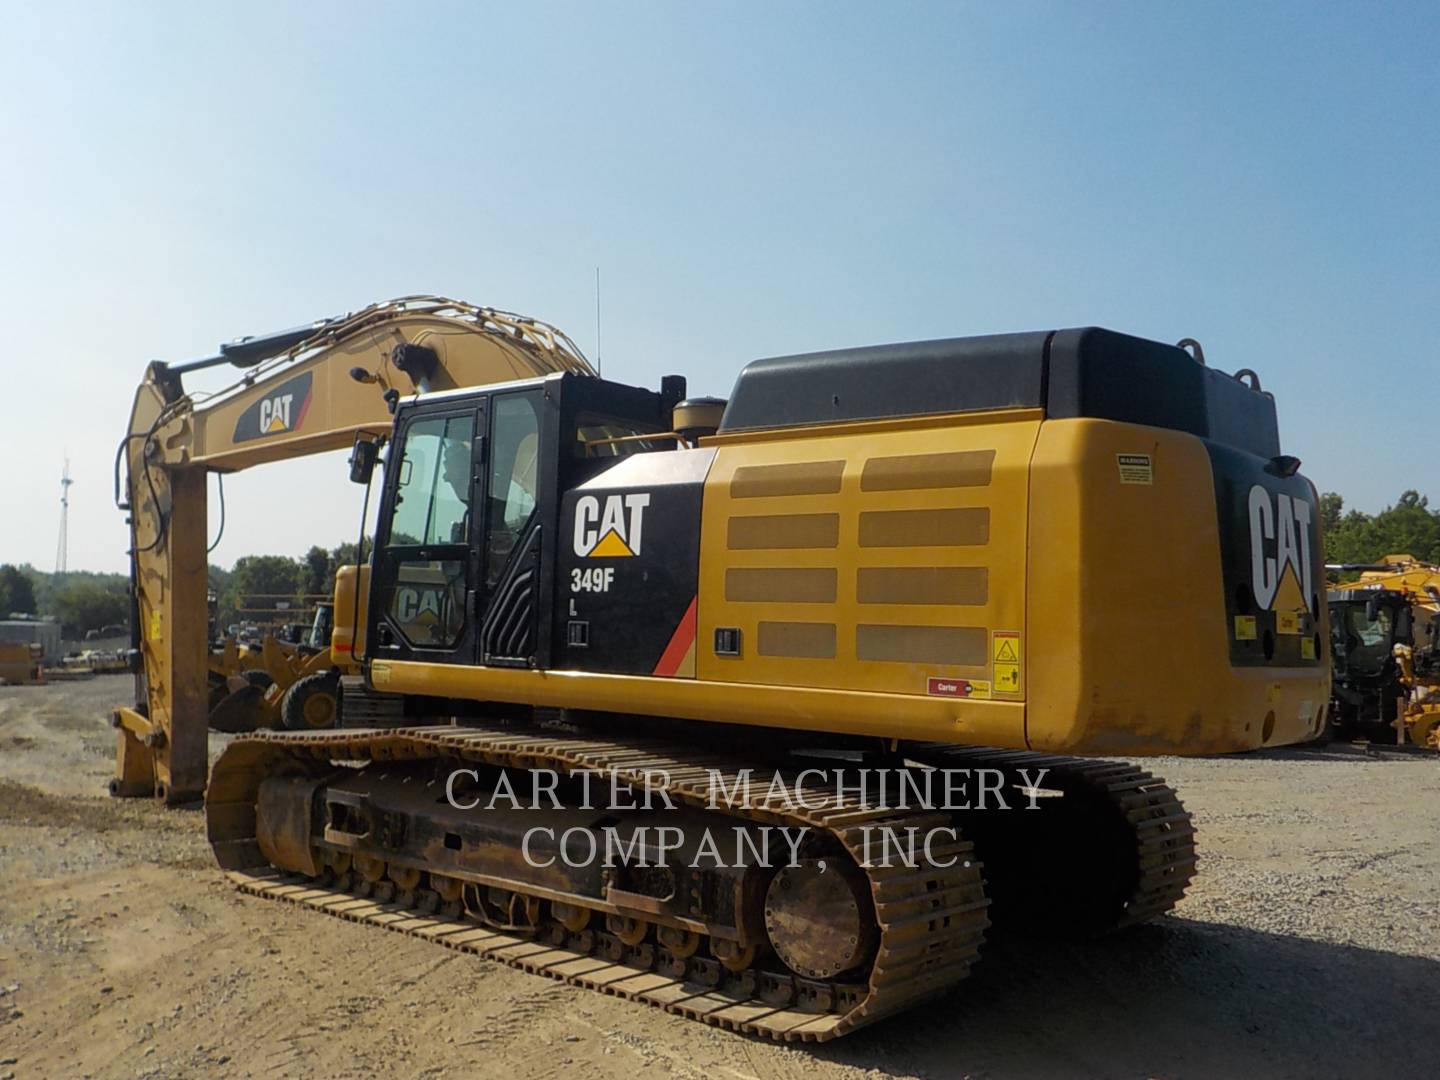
[
  {"x": 1006, "y": 658},
  {"x": 1135, "y": 468}
]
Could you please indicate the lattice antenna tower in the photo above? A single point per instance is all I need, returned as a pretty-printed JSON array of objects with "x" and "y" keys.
[{"x": 62, "y": 551}]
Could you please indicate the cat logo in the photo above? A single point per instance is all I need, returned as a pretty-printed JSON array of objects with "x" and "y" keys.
[
  {"x": 280, "y": 411},
  {"x": 275, "y": 413},
  {"x": 410, "y": 604},
  {"x": 611, "y": 531},
  {"x": 1282, "y": 580}
]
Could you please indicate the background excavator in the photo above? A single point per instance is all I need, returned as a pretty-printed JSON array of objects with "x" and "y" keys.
[
  {"x": 969, "y": 556},
  {"x": 1386, "y": 653}
]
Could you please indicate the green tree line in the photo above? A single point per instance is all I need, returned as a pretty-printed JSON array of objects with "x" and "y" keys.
[
  {"x": 1408, "y": 527},
  {"x": 276, "y": 576},
  {"x": 83, "y": 600}
]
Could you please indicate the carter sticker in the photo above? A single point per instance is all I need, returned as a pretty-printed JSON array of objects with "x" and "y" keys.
[{"x": 965, "y": 688}]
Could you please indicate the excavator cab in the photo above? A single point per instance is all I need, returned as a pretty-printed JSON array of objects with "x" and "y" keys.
[
  {"x": 1366, "y": 625},
  {"x": 467, "y": 537}
]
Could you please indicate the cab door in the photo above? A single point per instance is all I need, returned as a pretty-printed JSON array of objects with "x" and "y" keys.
[
  {"x": 426, "y": 564},
  {"x": 458, "y": 548},
  {"x": 519, "y": 499}
]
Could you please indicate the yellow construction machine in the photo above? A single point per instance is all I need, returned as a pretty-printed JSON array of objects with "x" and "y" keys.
[
  {"x": 20, "y": 663},
  {"x": 630, "y": 622},
  {"x": 274, "y": 684},
  {"x": 280, "y": 674},
  {"x": 1386, "y": 652}
]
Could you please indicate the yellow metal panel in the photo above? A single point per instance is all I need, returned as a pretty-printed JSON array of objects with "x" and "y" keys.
[
  {"x": 1126, "y": 650},
  {"x": 898, "y": 716},
  {"x": 930, "y": 557}
]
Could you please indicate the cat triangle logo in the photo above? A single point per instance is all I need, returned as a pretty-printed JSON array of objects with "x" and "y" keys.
[
  {"x": 1288, "y": 596},
  {"x": 611, "y": 547},
  {"x": 612, "y": 529}
]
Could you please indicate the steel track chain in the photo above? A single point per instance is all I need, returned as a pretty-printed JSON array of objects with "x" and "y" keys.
[
  {"x": 1163, "y": 832},
  {"x": 931, "y": 919}
]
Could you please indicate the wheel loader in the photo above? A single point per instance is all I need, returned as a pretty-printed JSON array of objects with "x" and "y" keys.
[
  {"x": 757, "y": 710},
  {"x": 278, "y": 680}
]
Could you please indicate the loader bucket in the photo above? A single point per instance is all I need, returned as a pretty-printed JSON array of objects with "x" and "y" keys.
[{"x": 240, "y": 711}]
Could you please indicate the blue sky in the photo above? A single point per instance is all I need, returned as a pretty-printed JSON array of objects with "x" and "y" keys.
[{"x": 751, "y": 179}]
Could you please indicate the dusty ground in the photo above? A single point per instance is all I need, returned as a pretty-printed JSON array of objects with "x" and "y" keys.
[{"x": 1310, "y": 946}]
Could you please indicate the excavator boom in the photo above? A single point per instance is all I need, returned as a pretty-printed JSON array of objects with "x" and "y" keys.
[{"x": 303, "y": 391}]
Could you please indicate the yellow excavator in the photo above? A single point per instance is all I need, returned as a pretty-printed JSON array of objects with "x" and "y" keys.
[
  {"x": 1386, "y": 651},
  {"x": 910, "y": 600}
]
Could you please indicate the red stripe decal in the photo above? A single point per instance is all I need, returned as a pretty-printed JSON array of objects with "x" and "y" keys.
[
  {"x": 304, "y": 408},
  {"x": 680, "y": 643}
]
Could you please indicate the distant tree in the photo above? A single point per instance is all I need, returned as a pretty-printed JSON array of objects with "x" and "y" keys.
[
  {"x": 259, "y": 575},
  {"x": 1409, "y": 527},
  {"x": 86, "y": 605},
  {"x": 1332, "y": 506},
  {"x": 319, "y": 570},
  {"x": 344, "y": 554},
  {"x": 271, "y": 575},
  {"x": 17, "y": 594}
]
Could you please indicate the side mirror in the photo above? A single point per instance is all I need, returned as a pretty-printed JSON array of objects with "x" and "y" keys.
[{"x": 362, "y": 459}]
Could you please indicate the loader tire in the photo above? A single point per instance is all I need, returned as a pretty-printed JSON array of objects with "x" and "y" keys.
[{"x": 313, "y": 703}]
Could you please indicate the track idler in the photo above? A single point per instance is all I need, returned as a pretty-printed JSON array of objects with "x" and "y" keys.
[{"x": 819, "y": 917}]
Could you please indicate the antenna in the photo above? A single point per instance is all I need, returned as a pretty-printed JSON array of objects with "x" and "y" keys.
[
  {"x": 599, "y": 366},
  {"x": 62, "y": 548}
]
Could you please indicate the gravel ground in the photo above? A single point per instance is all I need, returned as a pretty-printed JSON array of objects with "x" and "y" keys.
[{"x": 1308, "y": 946}]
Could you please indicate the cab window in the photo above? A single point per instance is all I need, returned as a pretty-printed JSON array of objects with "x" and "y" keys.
[
  {"x": 432, "y": 495},
  {"x": 426, "y": 600},
  {"x": 514, "y": 463},
  {"x": 1368, "y": 644},
  {"x": 599, "y": 436}
]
